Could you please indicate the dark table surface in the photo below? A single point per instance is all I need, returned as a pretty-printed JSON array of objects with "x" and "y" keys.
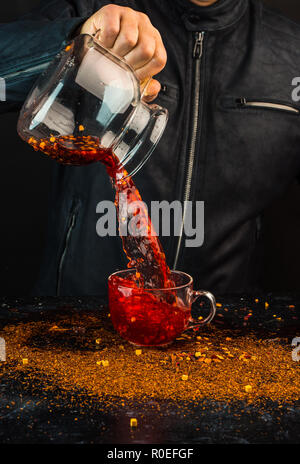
[{"x": 26, "y": 417}]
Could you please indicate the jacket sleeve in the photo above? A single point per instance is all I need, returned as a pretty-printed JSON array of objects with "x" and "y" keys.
[{"x": 29, "y": 44}]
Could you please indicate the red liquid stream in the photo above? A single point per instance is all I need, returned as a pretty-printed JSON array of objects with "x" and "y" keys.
[
  {"x": 144, "y": 252},
  {"x": 140, "y": 316}
]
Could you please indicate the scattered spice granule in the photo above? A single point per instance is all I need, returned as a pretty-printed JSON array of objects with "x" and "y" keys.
[
  {"x": 266, "y": 305},
  {"x": 81, "y": 128},
  {"x": 133, "y": 422},
  {"x": 54, "y": 327},
  {"x": 103, "y": 363},
  {"x": 98, "y": 341},
  {"x": 52, "y": 139},
  {"x": 67, "y": 361},
  {"x": 24, "y": 361}
]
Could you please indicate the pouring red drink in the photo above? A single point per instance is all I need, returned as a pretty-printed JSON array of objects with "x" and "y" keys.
[
  {"x": 144, "y": 252},
  {"x": 88, "y": 90},
  {"x": 149, "y": 305}
]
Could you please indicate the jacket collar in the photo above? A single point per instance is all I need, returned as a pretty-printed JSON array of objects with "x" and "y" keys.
[{"x": 220, "y": 15}]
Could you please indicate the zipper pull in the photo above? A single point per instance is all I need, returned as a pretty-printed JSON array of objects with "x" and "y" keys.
[
  {"x": 198, "y": 47},
  {"x": 241, "y": 101}
]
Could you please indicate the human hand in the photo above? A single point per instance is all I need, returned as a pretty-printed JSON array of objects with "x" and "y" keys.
[{"x": 130, "y": 34}]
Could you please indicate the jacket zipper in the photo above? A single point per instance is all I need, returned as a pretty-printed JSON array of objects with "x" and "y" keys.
[
  {"x": 197, "y": 57},
  {"x": 244, "y": 103},
  {"x": 71, "y": 225}
]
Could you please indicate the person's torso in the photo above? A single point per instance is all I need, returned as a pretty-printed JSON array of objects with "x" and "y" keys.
[{"x": 232, "y": 142}]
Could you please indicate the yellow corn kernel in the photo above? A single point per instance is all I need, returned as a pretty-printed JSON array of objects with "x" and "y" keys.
[
  {"x": 248, "y": 388},
  {"x": 138, "y": 352},
  {"x": 185, "y": 377}
]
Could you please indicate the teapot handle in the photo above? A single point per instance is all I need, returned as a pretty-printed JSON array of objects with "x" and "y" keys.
[{"x": 140, "y": 136}]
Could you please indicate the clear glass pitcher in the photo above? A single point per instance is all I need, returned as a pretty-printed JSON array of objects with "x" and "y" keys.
[{"x": 88, "y": 99}]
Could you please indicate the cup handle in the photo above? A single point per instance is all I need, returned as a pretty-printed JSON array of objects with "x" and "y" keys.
[{"x": 213, "y": 308}]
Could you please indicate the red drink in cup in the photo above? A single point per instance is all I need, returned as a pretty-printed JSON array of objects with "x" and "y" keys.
[{"x": 153, "y": 316}]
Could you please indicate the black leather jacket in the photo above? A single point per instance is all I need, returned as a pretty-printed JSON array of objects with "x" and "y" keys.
[{"x": 218, "y": 147}]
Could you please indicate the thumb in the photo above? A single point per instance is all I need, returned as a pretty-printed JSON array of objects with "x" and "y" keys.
[{"x": 152, "y": 90}]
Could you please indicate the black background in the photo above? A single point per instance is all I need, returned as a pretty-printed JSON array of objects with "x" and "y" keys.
[{"x": 25, "y": 180}]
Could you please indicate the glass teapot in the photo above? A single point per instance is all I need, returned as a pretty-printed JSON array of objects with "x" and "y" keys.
[{"x": 89, "y": 101}]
